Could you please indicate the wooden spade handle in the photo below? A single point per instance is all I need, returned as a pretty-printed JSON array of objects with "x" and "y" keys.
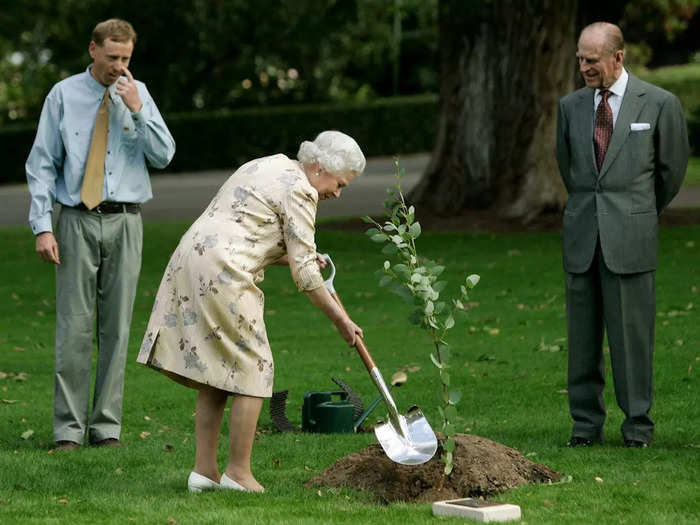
[{"x": 360, "y": 345}]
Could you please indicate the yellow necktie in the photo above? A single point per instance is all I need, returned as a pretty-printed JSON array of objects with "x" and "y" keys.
[{"x": 91, "y": 192}]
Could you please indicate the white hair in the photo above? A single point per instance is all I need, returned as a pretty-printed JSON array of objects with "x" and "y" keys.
[{"x": 335, "y": 152}]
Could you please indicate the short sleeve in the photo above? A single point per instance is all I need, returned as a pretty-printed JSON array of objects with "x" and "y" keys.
[{"x": 299, "y": 218}]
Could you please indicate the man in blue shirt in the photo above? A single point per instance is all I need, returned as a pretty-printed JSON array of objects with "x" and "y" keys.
[{"x": 96, "y": 132}]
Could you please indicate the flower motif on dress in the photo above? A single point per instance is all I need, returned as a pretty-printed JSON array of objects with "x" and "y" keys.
[
  {"x": 170, "y": 320},
  {"x": 213, "y": 206},
  {"x": 233, "y": 308},
  {"x": 147, "y": 343},
  {"x": 209, "y": 242},
  {"x": 189, "y": 317},
  {"x": 192, "y": 360},
  {"x": 225, "y": 277},
  {"x": 206, "y": 287},
  {"x": 290, "y": 230},
  {"x": 213, "y": 334},
  {"x": 269, "y": 374},
  {"x": 252, "y": 168},
  {"x": 230, "y": 368},
  {"x": 171, "y": 271},
  {"x": 288, "y": 178},
  {"x": 182, "y": 299},
  {"x": 190, "y": 357}
]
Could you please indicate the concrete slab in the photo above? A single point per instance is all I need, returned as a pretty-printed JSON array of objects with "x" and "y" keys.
[{"x": 477, "y": 510}]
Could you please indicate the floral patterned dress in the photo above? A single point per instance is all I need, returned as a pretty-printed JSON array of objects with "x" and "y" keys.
[{"x": 207, "y": 322}]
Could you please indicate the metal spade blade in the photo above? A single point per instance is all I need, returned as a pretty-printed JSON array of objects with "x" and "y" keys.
[{"x": 409, "y": 439}]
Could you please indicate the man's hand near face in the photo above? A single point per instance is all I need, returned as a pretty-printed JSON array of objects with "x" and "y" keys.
[
  {"x": 126, "y": 88},
  {"x": 47, "y": 247}
]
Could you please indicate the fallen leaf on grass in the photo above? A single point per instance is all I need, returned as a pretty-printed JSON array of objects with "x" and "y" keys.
[
  {"x": 319, "y": 493},
  {"x": 9, "y": 401},
  {"x": 119, "y": 471},
  {"x": 599, "y": 480},
  {"x": 147, "y": 418},
  {"x": 63, "y": 501},
  {"x": 547, "y": 503},
  {"x": 3, "y": 375},
  {"x": 414, "y": 368},
  {"x": 27, "y": 434},
  {"x": 494, "y": 331},
  {"x": 172, "y": 521},
  {"x": 276, "y": 463},
  {"x": 564, "y": 391},
  {"x": 168, "y": 448},
  {"x": 144, "y": 434}
]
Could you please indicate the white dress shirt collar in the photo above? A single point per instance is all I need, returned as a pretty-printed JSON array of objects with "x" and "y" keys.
[{"x": 619, "y": 86}]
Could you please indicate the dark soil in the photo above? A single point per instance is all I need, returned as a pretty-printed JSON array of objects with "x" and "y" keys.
[
  {"x": 481, "y": 468},
  {"x": 488, "y": 221}
]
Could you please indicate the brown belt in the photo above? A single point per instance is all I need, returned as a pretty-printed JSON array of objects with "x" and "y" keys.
[{"x": 110, "y": 207}]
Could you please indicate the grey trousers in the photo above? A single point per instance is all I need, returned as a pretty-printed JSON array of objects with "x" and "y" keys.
[
  {"x": 625, "y": 306},
  {"x": 100, "y": 264}
]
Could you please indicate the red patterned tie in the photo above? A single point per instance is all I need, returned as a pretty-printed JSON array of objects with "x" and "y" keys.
[{"x": 603, "y": 128}]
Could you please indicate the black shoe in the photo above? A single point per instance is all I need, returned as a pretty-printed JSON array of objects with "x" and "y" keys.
[
  {"x": 578, "y": 441},
  {"x": 109, "y": 442},
  {"x": 65, "y": 445},
  {"x": 635, "y": 443}
]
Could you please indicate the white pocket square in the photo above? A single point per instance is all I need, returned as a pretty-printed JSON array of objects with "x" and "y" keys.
[{"x": 639, "y": 126}]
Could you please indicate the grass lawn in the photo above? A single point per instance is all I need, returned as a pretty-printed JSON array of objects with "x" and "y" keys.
[
  {"x": 510, "y": 360},
  {"x": 692, "y": 175}
]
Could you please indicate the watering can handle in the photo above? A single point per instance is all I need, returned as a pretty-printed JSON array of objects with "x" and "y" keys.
[{"x": 359, "y": 343}]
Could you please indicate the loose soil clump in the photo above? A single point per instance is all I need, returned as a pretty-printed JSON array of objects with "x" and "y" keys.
[{"x": 481, "y": 468}]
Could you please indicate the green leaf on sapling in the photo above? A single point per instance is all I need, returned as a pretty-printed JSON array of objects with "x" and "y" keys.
[
  {"x": 439, "y": 286},
  {"x": 473, "y": 280},
  {"x": 455, "y": 396},
  {"x": 435, "y": 361},
  {"x": 444, "y": 376},
  {"x": 415, "y": 230}
]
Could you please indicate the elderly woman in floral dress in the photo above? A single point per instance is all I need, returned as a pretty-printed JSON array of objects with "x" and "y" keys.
[{"x": 207, "y": 331}]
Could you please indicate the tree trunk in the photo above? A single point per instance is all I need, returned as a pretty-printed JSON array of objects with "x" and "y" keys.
[{"x": 504, "y": 64}]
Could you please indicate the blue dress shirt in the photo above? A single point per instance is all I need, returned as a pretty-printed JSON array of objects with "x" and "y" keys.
[{"x": 56, "y": 163}]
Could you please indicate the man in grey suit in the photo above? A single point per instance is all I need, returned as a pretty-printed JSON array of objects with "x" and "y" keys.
[{"x": 622, "y": 149}]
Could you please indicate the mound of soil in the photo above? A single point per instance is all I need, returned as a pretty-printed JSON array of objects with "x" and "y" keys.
[{"x": 481, "y": 468}]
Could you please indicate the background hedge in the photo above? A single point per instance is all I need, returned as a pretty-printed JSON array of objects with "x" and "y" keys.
[{"x": 226, "y": 139}]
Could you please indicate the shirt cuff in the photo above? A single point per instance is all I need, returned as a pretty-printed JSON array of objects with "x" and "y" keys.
[
  {"x": 139, "y": 118},
  {"x": 308, "y": 277},
  {"x": 41, "y": 225}
]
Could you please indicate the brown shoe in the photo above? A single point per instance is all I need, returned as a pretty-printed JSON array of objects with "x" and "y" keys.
[
  {"x": 109, "y": 442},
  {"x": 66, "y": 445}
]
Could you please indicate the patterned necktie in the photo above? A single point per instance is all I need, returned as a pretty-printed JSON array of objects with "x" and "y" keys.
[
  {"x": 603, "y": 128},
  {"x": 91, "y": 191}
]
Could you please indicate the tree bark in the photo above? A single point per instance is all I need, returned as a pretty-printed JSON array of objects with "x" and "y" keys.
[{"x": 504, "y": 64}]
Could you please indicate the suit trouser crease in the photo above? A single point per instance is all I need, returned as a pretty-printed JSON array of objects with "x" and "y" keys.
[
  {"x": 625, "y": 305},
  {"x": 100, "y": 264}
]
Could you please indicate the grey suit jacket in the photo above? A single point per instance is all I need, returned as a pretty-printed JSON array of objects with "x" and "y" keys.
[{"x": 642, "y": 172}]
